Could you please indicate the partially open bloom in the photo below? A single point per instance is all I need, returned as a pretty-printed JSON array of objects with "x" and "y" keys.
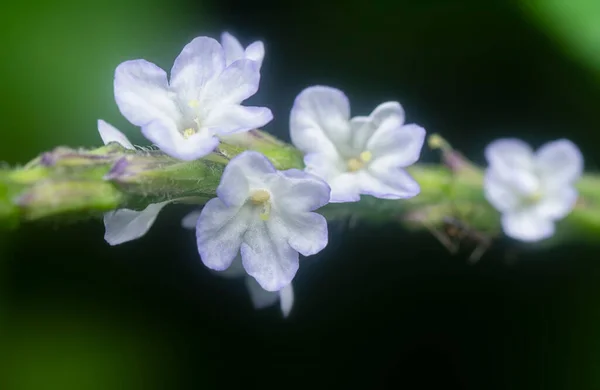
[
  {"x": 235, "y": 51},
  {"x": 124, "y": 225},
  {"x": 360, "y": 155},
  {"x": 202, "y": 100},
  {"x": 532, "y": 189},
  {"x": 266, "y": 215}
]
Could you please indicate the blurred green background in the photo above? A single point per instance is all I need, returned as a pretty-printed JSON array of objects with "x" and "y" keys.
[{"x": 379, "y": 308}]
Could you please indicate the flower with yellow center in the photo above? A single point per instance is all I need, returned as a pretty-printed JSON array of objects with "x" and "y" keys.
[
  {"x": 531, "y": 189},
  {"x": 186, "y": 115},
  {"x": 360, "y": 155},
  {"x": 264, "y": 215}
]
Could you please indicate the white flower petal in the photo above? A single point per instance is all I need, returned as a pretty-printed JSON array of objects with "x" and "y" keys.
[
  {"x": 509, "y": 154},
  {"x": 231, "y": 119},
  {"x": 267, "y": 256},
  {"x": 527, "y": 225},
  {"x": 499, "y": 192},
  {"x": 109, "y": 134},
  {"x": 260, "y": 297},
  {"x": 559, "y": 163},
  {"x": 387, "y": 184},
  {"x": 235, "y": 84},
  {"x": 319, "y": 120},
  {"x": 142, "y": 93},
  {"x": 190, "y": 220},
  {"x": 386, "y": 110},
  {"x": 256, "y": 52},
  {"x": 126, "y": 225},
  {"x": 286, "y": 300},
  {"x": 558, "y": 203},
  {"x": 299, "y": 191},
  {"x": 200, "y": 61},
  {"x": 247, "y": 170},
  {"x": 306, "y": 232},
  {"x": 362, "y": 129},
  {"x": 166, "y": 136},
  {"x": 232, "y": 48},
  {"x": 396, "y": 145},
  {"x": 325, "y": 166},
  {"x": 219, "y": 233},
  {"x": 345, "y": 188}
]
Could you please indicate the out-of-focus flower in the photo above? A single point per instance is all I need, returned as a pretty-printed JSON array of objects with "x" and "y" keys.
[
  {"x": 532, "y": 189},
  {"x": 266, "y": 215},
  {"x": 360, "y": 155},
  {"x": 184, "y": 116}
]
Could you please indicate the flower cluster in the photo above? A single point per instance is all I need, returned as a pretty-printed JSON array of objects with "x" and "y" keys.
[{"x": 263, "y": 219}]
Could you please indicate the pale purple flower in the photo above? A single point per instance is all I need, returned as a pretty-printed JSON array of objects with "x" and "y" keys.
[
  {"x": 531, "y": 189},
  {"x": 124, "y": 225},
  {"x": 360, "y": 155},
  {"x": 259, "y": 297},
  {"x": 235, "y": 51},
  {"x": 265, "y": 215},
  {"x": 184, "y": 116}
]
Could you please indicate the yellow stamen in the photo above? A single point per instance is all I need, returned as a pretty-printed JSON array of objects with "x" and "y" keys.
[
  {"x": 355, "y": 164},
  {"x": 187, "y": 133},
  {"x": 194, "y": 103},
  {"x": 366, "y": 156},
  {"x": 262, "y": 197}
]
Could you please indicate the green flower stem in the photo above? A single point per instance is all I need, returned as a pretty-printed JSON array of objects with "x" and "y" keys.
[{"x": 67, "y": 184}]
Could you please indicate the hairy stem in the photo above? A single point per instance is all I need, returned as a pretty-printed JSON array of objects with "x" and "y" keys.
[{"x": 75, "y": 183}]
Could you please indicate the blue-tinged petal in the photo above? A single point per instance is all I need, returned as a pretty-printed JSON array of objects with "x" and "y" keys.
[
  {"x": 499, "y": 192},
  {"x": 387, "y": 184},
  {"x": 267, "y": 256},
  {"x": 345, "y": 188},
  {"x": 126, "y": 225},
  {"x": 260, "y": 297},
  {"x": 301, "y": 191},
  {"x": 307, "y": 232},
  {"x": 324, "y": 166},
  {"x": 527, "y": 225},
  {"x": 109, "y": 134},
  {"x": 559, "y": 163},
  {"x": 165, "y": 135},
  {"x": 362, "y": 129},
  {"x": 232, "y": 48},
  {"x": 386, "y": 110},
  {"x": 509, "y": 155},
  {"x": 219, "y": 233},
  {"x": 319, "y": 120},
  {"x": 142, "y": 93},
  {"x": 247, "y": 170},
  {"x": 557, "y": 203},
  {"x": 236, "y": 83},
  {"x": 396, "y": 146},
  {"x": 200, "y": 61},
  {"x": 231, "y": 119},
  {"x": 286, "y": 300},
  {"x": 256, "y": 52}
]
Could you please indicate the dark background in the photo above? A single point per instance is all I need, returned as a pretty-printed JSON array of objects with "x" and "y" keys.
[{"x": 380, "y": 307}]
